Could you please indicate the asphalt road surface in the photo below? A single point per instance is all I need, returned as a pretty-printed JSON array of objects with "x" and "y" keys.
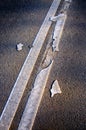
[
  {"x": 67, "y": 111},
  {"x": 20, "y": 22}
]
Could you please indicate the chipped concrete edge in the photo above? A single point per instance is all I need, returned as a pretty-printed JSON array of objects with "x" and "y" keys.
[
  {"x": 58, "y": 32},
  {"x": 34, "y": 100}
]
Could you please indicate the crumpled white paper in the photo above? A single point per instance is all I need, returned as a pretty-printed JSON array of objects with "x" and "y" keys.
[
  {"x": 55, "y": 88},
  {"x": 19, "y": 46}
]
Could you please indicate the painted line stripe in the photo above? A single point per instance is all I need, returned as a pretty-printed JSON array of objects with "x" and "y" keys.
[
  {"x": 34, "y": 100},
  {"x": 25, "y": 73}
]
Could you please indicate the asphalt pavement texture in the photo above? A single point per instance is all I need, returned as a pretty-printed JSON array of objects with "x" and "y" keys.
[
  {"x": 67, "y": 111},
  {"x": 20, "y": 22}
]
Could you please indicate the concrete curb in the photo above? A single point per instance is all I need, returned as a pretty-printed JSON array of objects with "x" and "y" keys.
[
  {"x": 58, "y": 32},
  {"x": 34, "y": 100}
]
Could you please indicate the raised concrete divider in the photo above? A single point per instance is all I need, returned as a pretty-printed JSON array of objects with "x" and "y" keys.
[
  {"x": 58, "y": 31},
  {"x": 29, "y": 114},
  {"x": 34, "y": 100},
  {"x": 12, "y": 104}
]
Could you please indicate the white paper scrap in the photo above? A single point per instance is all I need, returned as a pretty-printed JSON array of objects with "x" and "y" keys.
[
  {"x": 19, "y": 46},
  {"x": 68, "y": 1},
  {"x": 55, "y": 18},
  {"x": 55, "y": 88}
]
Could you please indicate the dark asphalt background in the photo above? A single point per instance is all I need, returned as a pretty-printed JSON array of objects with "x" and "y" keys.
[
  {"x": 67, "y": 111},
  {"x": 20, "y": 22}
]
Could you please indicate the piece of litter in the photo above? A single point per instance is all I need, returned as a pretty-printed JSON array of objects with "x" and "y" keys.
[
  {"x": 19, "y": 46},
  {"x": 54, "y": 18},
  {"x": 55, "y": 88},
  {"x": 66, "y": 6},
  {"x": 68, "y": 1}
]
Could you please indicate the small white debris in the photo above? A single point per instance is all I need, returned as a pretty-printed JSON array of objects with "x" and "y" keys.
[
  {"x": 66, "y": 5},
  {"x": 68, "y": 1},
  {"x": 19, "y": 46},
  {"x": 55, "y": 88},
  {"x": 54, "y": 18}
]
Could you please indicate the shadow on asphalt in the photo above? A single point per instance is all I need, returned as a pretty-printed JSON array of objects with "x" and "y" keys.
[{"x": 12, "y": 5}]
